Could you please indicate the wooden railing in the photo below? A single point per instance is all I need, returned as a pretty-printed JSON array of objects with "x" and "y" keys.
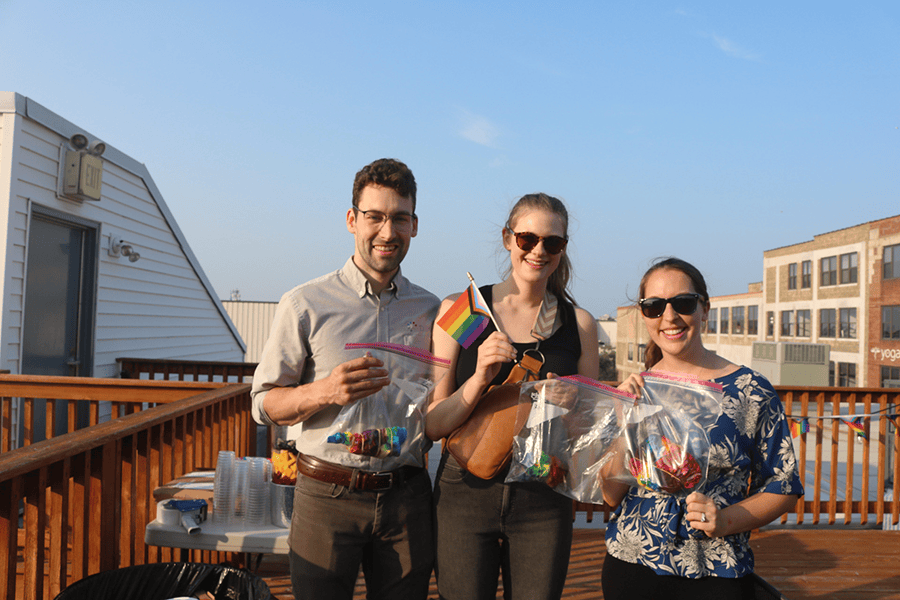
[
  {"x": 185, "y": 370},
  {"x": 854, "y": 490},
  {"x": 84, "y": 498}
]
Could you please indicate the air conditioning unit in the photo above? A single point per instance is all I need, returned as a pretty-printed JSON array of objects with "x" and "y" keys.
[{"x": 790, "y": 363}]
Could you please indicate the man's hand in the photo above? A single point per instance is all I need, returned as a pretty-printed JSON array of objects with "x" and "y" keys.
[
  {"x": 347, "y": 383},
  {"x": 354, "y": 380}
]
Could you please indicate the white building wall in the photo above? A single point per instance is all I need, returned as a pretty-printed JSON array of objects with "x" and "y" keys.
[
  {"x": 159, "y": 307},
  {"x": 253, "y": 320}
]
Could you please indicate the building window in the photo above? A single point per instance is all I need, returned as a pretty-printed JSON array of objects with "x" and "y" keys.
[
  {"x": 848, "y": 323},
  {"x": 737, "y": 320},
  {"x": 630, "y": 351},
  {"x": 831, "y": 373},
  {"x": 829, "y": 271},
  {"x": 787, "y": 323},
  {"x": 642, "y": 353},
  {"x": 752, "y": 320},
  {"x": 804, "y": 326},
  {"x": 890, "y": 377},
  {"x": 846, "y": 375},
  {"x": 711, "y": 322},
  {"x": 890, "y": 322},
  {"x": 849, "y": 268},
  {"x": 792, "y": 276},
  {"x": 827, "y": 323},
  {"x": 806, "y": 274},
  {"x": 891, "y": 262},
  {"x": 770, "y": 324},
  {"x": 724, "y": 320}
]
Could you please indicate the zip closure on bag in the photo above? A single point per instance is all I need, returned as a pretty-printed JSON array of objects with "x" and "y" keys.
[{"x": 408, "y": 351}]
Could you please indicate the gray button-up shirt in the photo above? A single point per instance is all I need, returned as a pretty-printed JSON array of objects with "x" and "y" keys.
[{"x": 312, "y": 324}]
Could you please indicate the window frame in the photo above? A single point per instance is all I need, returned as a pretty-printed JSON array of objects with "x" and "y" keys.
[
  {"x": 832, "y": 323},
  {"x": 806, "y": 332},
  {"x": 890, "y": 269},
  {"x": 851, "y": 324},
  {"x": 806, "y": 274},
  {"x": 893, "y": 319},
  {"x": 829, "y": 277},
  {"x": 850, "y": 273},
  {"x": 792, "y": 276},
  {"x": 787, "y": 323},
  {"x": 753, "y": 320}
]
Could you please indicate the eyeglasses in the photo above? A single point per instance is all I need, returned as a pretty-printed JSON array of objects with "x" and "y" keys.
[
  {"x": 552, "y": 243},
  {"x": 402, "y": 221},
  {"x": 684, "y": 304}
]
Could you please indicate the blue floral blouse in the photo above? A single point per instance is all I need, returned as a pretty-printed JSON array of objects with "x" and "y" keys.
[{"x": 750, "y": 452}]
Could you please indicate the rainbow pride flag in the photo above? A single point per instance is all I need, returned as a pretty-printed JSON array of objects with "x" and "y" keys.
[
  {"x": 467, "y": 318},
  {"x": 798, "y": 426},
  {"x": 856, "y": 425}
]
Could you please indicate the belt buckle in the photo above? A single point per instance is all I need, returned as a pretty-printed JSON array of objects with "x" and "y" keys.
[{"x": 390, "y": 481}]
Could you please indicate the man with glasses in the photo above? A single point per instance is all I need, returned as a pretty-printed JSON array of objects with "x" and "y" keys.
[{"x": 347, "y": 517}]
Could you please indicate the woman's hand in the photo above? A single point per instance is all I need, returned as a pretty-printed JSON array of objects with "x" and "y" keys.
[
  {"x": 492, "y": 353},
  {"x": 633, "y": 384},
  {"x": 703, "y": 514}
]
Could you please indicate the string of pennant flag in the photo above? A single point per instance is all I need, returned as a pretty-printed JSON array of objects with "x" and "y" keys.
[{"x": 856, "y": 422}]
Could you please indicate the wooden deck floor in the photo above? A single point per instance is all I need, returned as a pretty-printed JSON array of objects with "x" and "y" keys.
[{"x": 807, "y": 564}]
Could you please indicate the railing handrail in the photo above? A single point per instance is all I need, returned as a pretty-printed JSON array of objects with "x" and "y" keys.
[
  {"x": 100, "y": 389},
  {"x": 40, "y": 454}
]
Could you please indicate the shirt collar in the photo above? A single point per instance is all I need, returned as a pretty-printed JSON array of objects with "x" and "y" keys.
[{"x": 358, "y": 282}]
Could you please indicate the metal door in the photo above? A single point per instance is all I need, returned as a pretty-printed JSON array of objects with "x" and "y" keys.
[{"x": 59, "y": 283}]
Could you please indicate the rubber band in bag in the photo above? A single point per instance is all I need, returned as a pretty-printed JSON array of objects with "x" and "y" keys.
[
  {"x": 386, "y": 430},
  {"x": 665, "y": 445},
  {"x": 573, "y": 422}
]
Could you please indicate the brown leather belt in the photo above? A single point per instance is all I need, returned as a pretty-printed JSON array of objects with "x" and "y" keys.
[{"x": 354, "y": 479}]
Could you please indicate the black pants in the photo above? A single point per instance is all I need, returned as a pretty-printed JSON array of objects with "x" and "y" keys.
[{"x": 626, "y": 581}]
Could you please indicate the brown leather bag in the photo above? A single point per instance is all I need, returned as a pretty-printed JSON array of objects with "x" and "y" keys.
[{"x": 483, "y": 444}]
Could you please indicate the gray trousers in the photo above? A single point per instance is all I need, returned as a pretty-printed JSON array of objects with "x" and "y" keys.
[
  {"x": 488, "y": 527},
  {"x": 335, "y": 531}
]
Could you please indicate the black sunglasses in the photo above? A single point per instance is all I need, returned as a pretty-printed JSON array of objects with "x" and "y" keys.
[
  {"x": 552, "y": 243},
  {"x": 684, "y": 304}
]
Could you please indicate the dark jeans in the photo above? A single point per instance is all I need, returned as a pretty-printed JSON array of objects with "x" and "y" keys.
[
  {"x": 485, "y": 527},
  {"x": 627, "y": 581},
  {"x": 334, "y": 531}
]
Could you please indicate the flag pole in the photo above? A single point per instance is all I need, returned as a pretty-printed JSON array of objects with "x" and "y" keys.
[{"x": 486, "y": 306}]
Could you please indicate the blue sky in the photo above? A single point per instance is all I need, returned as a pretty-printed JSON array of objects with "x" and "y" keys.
[{"x": 712, "y": 131}]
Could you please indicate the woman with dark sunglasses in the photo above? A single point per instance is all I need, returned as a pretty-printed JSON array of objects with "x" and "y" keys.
[
  {"x": 662, "y": 546},
  {"x": 488, "y": 527}
]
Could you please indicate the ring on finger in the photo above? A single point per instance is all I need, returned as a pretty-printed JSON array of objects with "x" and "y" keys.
[{"x": 703, "y": 518}]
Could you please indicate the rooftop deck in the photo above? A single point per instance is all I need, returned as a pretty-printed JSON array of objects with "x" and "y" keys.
[
  {"x": 77, "y": 502},
  {"x": 802, "y": 564}
]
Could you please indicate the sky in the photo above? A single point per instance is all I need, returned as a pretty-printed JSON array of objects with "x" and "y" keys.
[{"x": 711, "y": 131}]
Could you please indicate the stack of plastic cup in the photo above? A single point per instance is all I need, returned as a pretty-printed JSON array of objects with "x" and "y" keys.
[
  {"x": 223, "y": 498},
  {"x": 258, "y": 478},
  {"x": 239, "y": 490}
]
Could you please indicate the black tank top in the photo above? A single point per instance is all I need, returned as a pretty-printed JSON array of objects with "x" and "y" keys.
[{"x": 561, "y": 350}]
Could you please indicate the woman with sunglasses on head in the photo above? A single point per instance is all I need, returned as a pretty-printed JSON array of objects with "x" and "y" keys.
[
  {"x": 485, "y": 527},
  {"x": 662, "y": 546}
]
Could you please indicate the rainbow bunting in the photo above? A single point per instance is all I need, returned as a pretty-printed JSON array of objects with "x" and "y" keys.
[
  {"x": 895, "y": 419},
  {"x": 857, "y": 426},
  {"x": 798, "y": 426},
  {"x": 467, "y": 318}
]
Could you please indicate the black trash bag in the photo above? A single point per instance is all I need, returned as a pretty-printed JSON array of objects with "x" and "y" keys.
[{"x": 162, "y": 581}]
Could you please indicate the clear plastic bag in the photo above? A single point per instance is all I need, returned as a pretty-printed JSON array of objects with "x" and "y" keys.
[
  {"x": 386, "y": 430},
  {"x": 664, "y": 446},
  {"x": 573, "y": 422}
]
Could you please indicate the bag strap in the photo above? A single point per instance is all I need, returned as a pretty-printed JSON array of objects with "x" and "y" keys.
[{"x": 528, "y": 368}]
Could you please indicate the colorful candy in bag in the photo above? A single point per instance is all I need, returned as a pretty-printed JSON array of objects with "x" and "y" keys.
[
  {"x": 386, "y": 430},
  {"x": 665, "y": 444},
  {"x": 573, "y": 422}
]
